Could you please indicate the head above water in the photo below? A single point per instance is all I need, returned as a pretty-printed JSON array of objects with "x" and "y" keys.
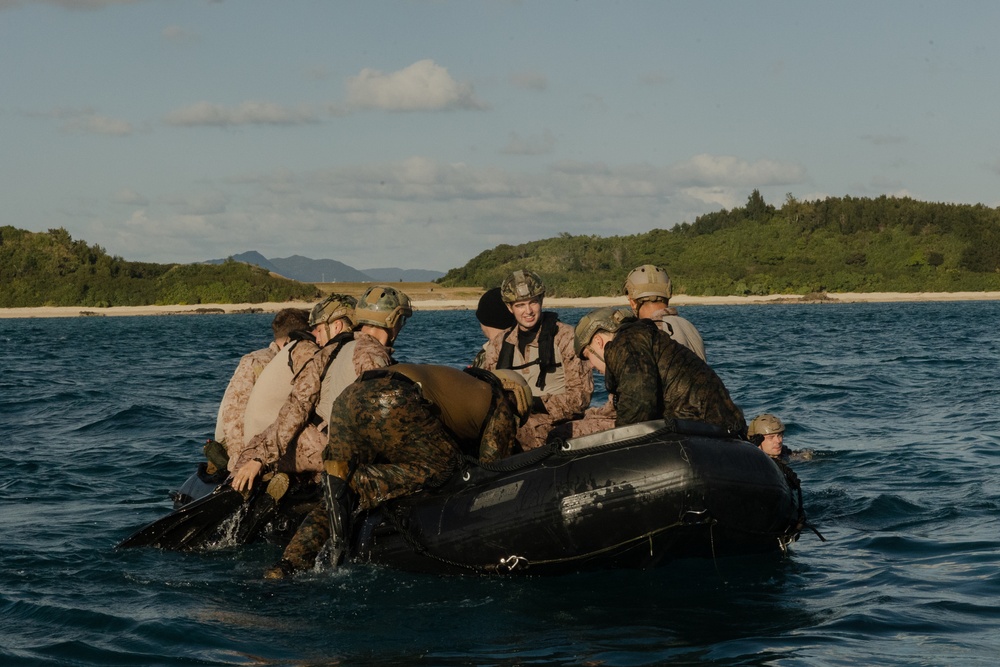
[{"x": 765, "y": 424}]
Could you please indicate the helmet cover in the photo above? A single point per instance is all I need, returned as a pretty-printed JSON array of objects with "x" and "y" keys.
[
  {"x": 383, "y": 306},
  {"x": 765, "y": 424},
  {"x": 332, "y": 308},
  {"x": 608, "y": 319},
  {"x": 648, "y": 282},
  {"x": 520, "y": 285}
]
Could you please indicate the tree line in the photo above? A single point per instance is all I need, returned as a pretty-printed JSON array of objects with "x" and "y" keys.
[
  {"x": 839, "y": 244},
  {"x": 51, "y": 269}
]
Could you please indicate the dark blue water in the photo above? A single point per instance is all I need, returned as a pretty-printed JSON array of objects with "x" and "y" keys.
[{"x": 101, "y": 417}]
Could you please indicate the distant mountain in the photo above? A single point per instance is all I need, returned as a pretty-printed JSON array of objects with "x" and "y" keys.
[
  {"x": 393, "y": 275},
  {"x": 309, "y": 270},
  {"x": 252, "y": 257}
]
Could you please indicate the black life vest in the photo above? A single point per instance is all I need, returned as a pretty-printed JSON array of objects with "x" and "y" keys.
[{"x": 546, "y": 349}]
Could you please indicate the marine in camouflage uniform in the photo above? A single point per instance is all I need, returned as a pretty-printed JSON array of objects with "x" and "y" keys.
[
  {"x": 652, "y": 376},
  {"x": 649, "y": 290},
  {"x": 230, "y": 422},
  {"x": 295, "y": 441},
  {"x": 405, "y": 428},
  {"x": 561, "y": 385},
  {"x": 649, "y": 376}
]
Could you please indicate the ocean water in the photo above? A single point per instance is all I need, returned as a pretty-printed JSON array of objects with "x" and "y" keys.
[{"x": 101, "y": 418}]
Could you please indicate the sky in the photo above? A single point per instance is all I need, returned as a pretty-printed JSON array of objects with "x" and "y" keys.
[{"x": 418, "y": 134}]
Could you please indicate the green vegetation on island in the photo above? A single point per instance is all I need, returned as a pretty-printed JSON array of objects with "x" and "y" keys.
[
  {"x": 51, "y": 269},
  {"x": 839, "y": 244},
  {"x": 843, "y": 244}
]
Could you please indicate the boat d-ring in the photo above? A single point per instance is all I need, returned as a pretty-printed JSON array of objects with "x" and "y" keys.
[{"x": 511, "y": 563}]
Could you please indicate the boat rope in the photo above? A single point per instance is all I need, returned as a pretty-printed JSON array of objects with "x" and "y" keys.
[
  {"x": 795, "y": 485},
  {"x": 509, "y": 564}
]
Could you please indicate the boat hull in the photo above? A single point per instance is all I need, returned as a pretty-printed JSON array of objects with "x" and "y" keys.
[
  {"x": 638, "y": 496},
  {"x": 635, "y": 497}
]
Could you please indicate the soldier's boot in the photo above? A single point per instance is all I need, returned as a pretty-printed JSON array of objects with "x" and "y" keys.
[
  {"x": 218, "y": 457},
  {"x": 277, "y": 486},
  {"x": 305, "y": 545},
  {"x": 340, "y": 502}
]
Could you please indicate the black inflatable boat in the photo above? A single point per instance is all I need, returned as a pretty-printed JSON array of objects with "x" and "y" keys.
[{"x": 631, "y": 497}]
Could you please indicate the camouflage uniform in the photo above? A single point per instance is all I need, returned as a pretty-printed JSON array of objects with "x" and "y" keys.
[
  {"x": 652, "y": 376},
  {"x": 405, "y": 429},
  {"x": 229, "y": 424},
  {"x": 594, "y": 420},
  {"x": 679, "y": 329},
  {"x": 567, "y": 390},
  {"x": 295, "y": 441}
]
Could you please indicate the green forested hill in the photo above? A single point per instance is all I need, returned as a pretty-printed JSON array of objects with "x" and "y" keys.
[
  {"x": 51, "y": 269},
  {"x": 835, "y": 245}
]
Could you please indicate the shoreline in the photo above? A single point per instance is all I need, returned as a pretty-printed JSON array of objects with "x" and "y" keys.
[{"x": 470, "y": 304}]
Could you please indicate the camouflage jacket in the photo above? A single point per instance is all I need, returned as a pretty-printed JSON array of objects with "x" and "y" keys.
[
  {"x": 653, "y": 376},
  {"x": 299, "y": 411},
  {"x": 573, "y": 380}
]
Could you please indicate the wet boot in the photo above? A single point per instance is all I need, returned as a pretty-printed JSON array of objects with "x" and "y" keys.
[
  {"x": 304, "y": 547},
  {"x": 340, "y": 502}
]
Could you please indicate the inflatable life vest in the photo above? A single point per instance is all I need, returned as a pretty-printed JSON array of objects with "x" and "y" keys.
[
  {"x": 333, "y": 384},
  {"x": 546, "y": 360}
]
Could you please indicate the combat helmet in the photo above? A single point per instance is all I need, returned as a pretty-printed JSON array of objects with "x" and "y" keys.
[
  {"x": 520, "y": 285},
  {"x": 609, "y": 319},
  {"x": 647, "y": 283},
  {"x": 383, "y": 306},
  {"x": 765, "y": 424},
  {"x": 514, "y": 382},
  {"x": 333, "y": 308}
]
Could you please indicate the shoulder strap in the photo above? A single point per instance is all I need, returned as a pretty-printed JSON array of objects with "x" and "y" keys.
[
  {"x": 506, "y": 357},
  {"x": 338, "y": 341}
]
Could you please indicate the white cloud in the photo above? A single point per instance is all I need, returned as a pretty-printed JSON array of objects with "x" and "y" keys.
[
  {"x": 531, "y": 145},
  {"x": 530, "y": 80},
  {"x": 423, "y": 86},
  {"x": 419, "y": 212},
  {"x": 247, "y": 113},
  {"x": 201, "y": 204},
  {"x": 130, "y": 197},
  {"x": 708, "y": 170},
  {"x": 92, "y": 123}
]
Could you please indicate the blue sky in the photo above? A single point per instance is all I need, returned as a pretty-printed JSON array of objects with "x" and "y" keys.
[{"x": 417, "y": 134}]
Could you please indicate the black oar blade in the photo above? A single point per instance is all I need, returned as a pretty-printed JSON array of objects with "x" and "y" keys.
[{"x": 192, "y": 526}]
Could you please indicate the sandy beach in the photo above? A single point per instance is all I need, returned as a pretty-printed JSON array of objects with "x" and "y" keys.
[{"x": 442, "y": 301}]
